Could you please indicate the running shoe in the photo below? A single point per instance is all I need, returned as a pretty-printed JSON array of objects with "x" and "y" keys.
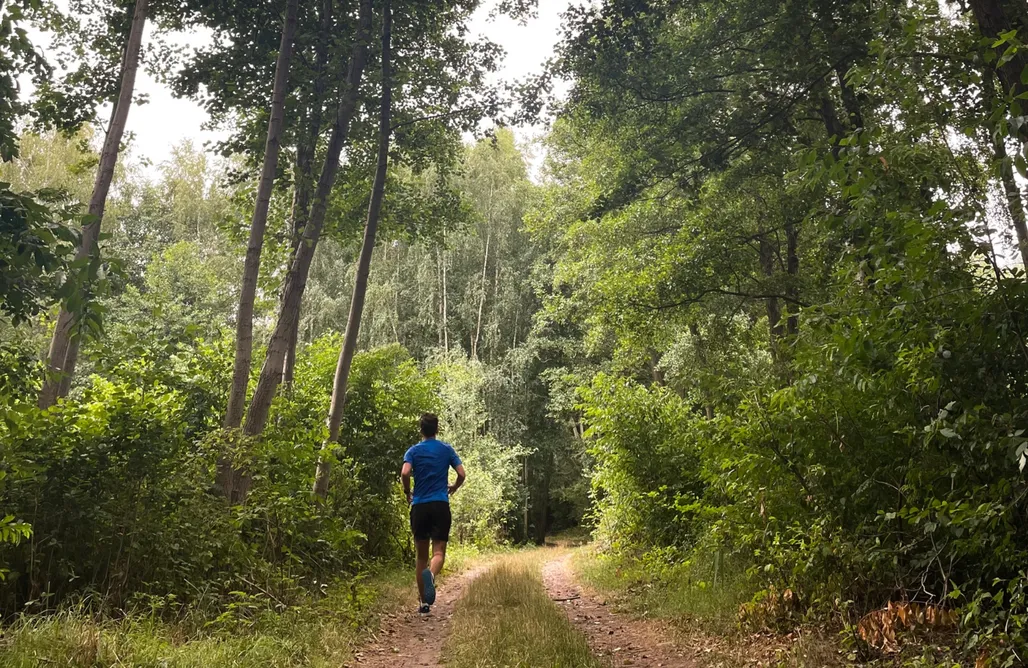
[
  {"x": 425, "y": 608},
  {"x": 429, "y": 581}
]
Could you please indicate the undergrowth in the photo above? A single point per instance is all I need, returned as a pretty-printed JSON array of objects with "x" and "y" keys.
[
  {"x": 321, "y": 632},
  {"x": 701, "y": 598},
  {"x": 705, "y": 592},
  {"x": 254, "y": 631}
]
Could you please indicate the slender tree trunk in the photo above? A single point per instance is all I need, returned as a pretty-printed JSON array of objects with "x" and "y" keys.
[
  {"x": 63, "y": 353},
  {"x": 481, "y": 300},
  {"x": 231, "y": 481},
  {"x": 774, "y": 309},
  {"x": 439, "y": 286},
  {"x": 301, "y": 209},
  {"x": 701, "y": 350},
  {"x": 1015, "y": 205},
  {"x": 360, "y": 286},
  {"x": 304, "y": 172},
  {"x": 493, "y": 332},
  {"x": 517, "y": 316},
  {"x": 833, "y": 126},
  {"x": 258, "y": 224},
  {"x": 446, "y": 315},
  {"x": 542, "y": 507},
  {"x": 792, "y": 237},
  {"x": 528, "y": 496},
  {"x": 396, "y": 297},
  {"x": 296, "y": 279}
]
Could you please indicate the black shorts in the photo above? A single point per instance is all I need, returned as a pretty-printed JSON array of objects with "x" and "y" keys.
[{"x": 430, "y": 520}]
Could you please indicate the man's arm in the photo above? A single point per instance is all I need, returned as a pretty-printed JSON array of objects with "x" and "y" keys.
[
  {"x": 461, "y": 475},
  {"x": 405, "y": 477}
]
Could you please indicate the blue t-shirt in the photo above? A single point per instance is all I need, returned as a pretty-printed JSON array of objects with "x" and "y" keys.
[{"x": 431, "y": 461}]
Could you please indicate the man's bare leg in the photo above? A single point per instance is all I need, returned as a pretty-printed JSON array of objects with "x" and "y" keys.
[
  {"x": 422, "y": 564},
  {"x": 438, "y": 556}
]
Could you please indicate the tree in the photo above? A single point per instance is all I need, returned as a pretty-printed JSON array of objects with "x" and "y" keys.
[
  {"x": 64, "y": 345},
  {"x": 443, "y": 76},
  {"x": 296, "y": 279},
  {"x": 342, "y": 375},
  {"x": 1004, "y": 24},
  {"x": 226, "y": 479}
]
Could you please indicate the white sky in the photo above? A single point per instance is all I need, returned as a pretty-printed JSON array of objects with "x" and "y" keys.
[{"x": 166, "y": 121}]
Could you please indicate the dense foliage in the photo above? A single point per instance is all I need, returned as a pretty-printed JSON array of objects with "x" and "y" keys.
[
  {"x": 785, "y": 239},
  {"x": 761, "y": 322}
]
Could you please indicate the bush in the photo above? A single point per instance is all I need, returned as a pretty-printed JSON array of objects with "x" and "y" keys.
[
  {"x": 116, "y": 483},
  {"x": 484, "y": 503}
]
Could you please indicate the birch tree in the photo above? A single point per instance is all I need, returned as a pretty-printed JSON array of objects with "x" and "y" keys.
[
  {"x": 342, "y": 375},
  {"x": 64, "y": 344}
]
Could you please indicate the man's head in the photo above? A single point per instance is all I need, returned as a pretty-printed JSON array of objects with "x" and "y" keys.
[{"x": 429, "y": 425}]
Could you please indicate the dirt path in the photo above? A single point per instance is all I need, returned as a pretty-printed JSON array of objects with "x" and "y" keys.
[
  {"x": 613, "y": 637},
  {"x": 407, "y": 639}
]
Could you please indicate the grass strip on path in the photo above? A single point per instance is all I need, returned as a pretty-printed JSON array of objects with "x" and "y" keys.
[{"x": 507, "y": 619}]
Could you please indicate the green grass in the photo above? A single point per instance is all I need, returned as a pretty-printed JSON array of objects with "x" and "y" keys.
[
  {"x": 507, "y": 619},
  {"x": 322, "y": 633},
  {"x": 699, "y": 591},
  {"x": 700, "y": 598}
]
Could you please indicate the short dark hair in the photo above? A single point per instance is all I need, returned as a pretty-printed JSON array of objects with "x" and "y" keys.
[{"x": 429, "y": 424}]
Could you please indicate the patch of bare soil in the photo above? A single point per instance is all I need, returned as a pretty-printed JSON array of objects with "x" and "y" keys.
[
  {"x": 408, "y": 639},
  {"x": 614, "y": 637}
]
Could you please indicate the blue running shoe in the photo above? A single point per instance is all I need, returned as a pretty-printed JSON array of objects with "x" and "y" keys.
[
  {"x": 429, "y": 581},
  {"x": 424, "y": 608}
]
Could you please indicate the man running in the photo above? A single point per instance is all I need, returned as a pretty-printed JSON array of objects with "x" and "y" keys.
[{"x": 430, "y": 461}]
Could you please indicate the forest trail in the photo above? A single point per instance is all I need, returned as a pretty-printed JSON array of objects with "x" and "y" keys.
[
  {"x": 614, "y": 637},
  {"x": 407, "y": 639}
]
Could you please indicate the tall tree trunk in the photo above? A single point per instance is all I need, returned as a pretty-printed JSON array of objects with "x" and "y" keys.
[
  {"x": 304, "y": 189},
  {"x": 446, "y": 314},
  {"x": 481, "y": 300},
  {"x": 439, "y": 286},
  {"x": 774, "y": 309},
  {"x": 528, "y": 497},
  {"x": 1011, "y": 192},
  {"x": 296, "y": 279},
  {"x": 792, "y": 237},
  {"x": 492, "y": 340},
  {"x": 228, "y": 478},
  {"x": 542, "y": 505},
  {"x": 396, "y": 297},
  {"x": 63, "y": 353},
  {"x": 306, "y": 151},
  {"x": 258, "y": 224},
  {"x": 360, "y": 285},
  {"x": 993, "y": 18},
  {"x": 1015, "y": 205}
]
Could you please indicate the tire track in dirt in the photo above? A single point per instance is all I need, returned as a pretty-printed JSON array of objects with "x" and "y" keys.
[
  {"x": 615, "y": 638},
  {"x": 408, "y": 639}
]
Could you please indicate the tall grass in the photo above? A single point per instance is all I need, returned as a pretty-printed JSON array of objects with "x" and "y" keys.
[
  {"x": 506, "y": 619},
  {"x": 321, "y": 633},
  {"x": 704, "y": 590}
]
